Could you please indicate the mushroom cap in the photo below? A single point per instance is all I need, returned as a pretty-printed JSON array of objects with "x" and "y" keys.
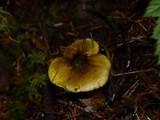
[
  {"x": 93, "y": 74},
  {"x": 84, "y": 46}
]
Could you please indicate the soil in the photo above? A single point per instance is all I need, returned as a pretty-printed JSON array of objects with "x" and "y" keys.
[{"x": 133, "y": 89}]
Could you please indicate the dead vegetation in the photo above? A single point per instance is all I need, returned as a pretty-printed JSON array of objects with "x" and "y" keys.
[{"x": 133, "y": 90}]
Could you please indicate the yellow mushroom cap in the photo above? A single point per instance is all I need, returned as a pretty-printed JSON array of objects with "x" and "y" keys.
[
  {"x": 82, "y": 69},
  {"x": 84, "y": 46}
]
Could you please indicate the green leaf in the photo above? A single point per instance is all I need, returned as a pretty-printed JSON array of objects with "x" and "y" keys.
[
  {"x": 156, "y": 35},
  {"x": 153, "y": 9},
  {"x": 157, "y": 52},
  {"x": 156, "y": 31}
]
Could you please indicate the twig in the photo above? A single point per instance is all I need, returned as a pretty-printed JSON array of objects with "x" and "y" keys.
[
  {"x": 44, "y": 37},
  {"x": 144, "y": 28},
  {"x": 134, "y": 72},
  {"x": 148, "y": 118},
  {"x": 73, "y": 117},
  {"x": 131, "y": 89}
]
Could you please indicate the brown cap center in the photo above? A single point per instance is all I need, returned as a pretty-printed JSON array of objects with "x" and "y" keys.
[{"x": 79, "y": 61}]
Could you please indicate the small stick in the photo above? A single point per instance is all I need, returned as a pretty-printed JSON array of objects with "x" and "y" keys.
[
  {"x": 133, "y": 72},
  {"x": 131, "y": 89}
]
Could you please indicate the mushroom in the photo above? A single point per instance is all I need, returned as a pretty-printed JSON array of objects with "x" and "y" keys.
[{"x": 81, "y": 68}]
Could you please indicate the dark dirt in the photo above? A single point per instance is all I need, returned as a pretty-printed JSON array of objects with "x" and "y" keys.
[{"x": 133, "y": 90}]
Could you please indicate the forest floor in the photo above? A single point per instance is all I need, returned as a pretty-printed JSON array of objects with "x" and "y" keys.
[{"x": 38, "y": 30}]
